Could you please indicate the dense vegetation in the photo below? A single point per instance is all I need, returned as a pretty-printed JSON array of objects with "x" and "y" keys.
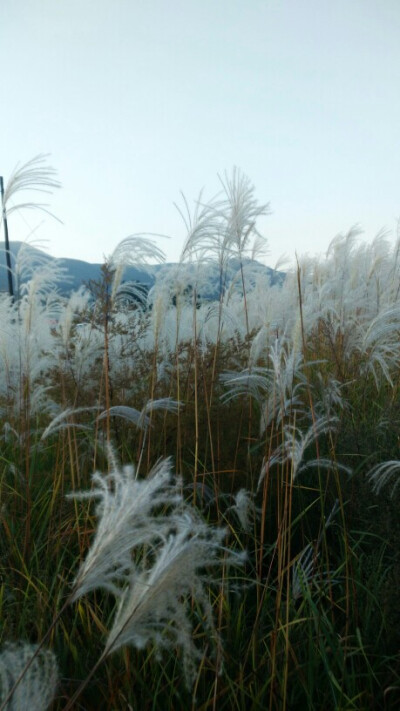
[{"x": 257, "y": 565}]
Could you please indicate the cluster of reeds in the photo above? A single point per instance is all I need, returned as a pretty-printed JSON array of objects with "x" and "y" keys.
[{"x": 250, "y": 557}]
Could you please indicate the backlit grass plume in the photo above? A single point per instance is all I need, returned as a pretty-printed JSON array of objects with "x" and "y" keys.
[
  {"x": 151, "y": 550},
  {"x": 155, "y": 605},
  {"x": 130, "y": 515}
]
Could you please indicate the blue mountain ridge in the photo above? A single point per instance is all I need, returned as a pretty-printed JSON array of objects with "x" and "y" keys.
[{"x": 77, "y": 272}]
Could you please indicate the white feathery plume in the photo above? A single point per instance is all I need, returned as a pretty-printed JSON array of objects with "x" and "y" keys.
[
  {"x": 329, "y": 399},
  {"x": 37, "y": 687},
  {"x": 131, "y": 414},
  {"x": 240, "y": 211},
  {"x": 135, "y": 249},
  {"x": 129, "y": 516},
  {"x": 304, "y": 571},
  {"x": 382, "y": 474},
  {"x": 225, "y": 227},
  {"x": 154, "y": 607},
  {"x": 33, "y": 175},
  {"x": 380, "y": 344},
  {"x": 88, "y": 348},
  {"x": 275, "y": 389},
  {"x": 77, "y": 302},
  {"x": 128, "y": 293},
  {"x": 36, "y": 273},
  {"x": 254, "y": 383},
  {"x": 244, "y": 508},
  {"x": 259, "y": 345},
  {"x": 294, "y": 445},
  {"x": 203, "y": 229},
  {"x": 141, "y": 418},
  {"x": 59, "y": 422},
  {"x": 165, "y": 404},
  {"x": 151, "y": 551}
]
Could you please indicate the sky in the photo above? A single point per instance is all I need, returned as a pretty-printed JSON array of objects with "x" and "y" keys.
[{"x": 137, "y": 101}]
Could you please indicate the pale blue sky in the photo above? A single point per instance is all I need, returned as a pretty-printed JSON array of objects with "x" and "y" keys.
[{"x": 139, "y": 99}]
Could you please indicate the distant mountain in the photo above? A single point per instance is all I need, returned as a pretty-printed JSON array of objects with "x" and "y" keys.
[{"x": 78, "y": 272}]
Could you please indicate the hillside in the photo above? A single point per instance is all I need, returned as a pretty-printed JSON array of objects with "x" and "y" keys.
[{"x": 76, "y": 272}]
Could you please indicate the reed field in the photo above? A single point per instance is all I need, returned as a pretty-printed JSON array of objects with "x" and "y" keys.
[{"x": 198, "y": 496}]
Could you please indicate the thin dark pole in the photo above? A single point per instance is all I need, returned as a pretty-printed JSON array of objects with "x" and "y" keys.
[{"x": 6, "y": 240}]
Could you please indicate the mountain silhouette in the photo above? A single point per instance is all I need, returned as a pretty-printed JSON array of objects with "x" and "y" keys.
[{"x": 77, "y": 272}]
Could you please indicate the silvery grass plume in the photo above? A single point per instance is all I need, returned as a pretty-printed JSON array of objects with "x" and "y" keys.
[
  {"x": 36, "y": 274},
  {"x": 26, "y": 359},
  {"x": 254, "y": 383},
  {"x": 178, "y": 294},
  {"x": 33, "y": 175},
  {"x": 293, "y": 447},
  {"x": 380, "y": 344},
  {"x": 130, "y": 515},
  {"x": 28, "y": 350},
  {"x": 36, "y": 689},
  {"x": 78, "y": 302},
  {"x": 352, "y": 295},
  {"x": 202, "y": 227},
  {"x": 63, "y": 420},
  {"x": 141, "y": 418},
  {"x": 262, "y": 296},
  {"x": 155, "y": 606},
  {"x": 225, "y": 227},
  {"x": 329, "y": 399},
  {"x": 220, "y": 322},
  {"x": 381, "y": 474},
  {"x": 133, "y": 250},
  {"x": 137, "y": 249},
  {"x": 151, "y": 550},
  {"x": 245, "y": 509},
  {"x": 276, "y": 389},
  {"x": 87, "y": 349},
  {"x": 287, "y": 381},
  {"x": 239, "y": 211},
  {"x": 305, "y": 573}
]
